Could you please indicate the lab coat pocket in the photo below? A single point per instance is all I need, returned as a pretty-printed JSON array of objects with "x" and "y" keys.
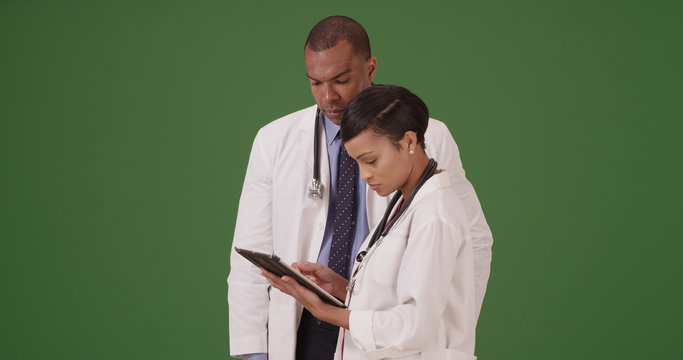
[{"x": 386, "y": 261}]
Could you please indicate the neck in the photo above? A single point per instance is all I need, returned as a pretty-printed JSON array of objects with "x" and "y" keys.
[{"x": 419, "y": 166}]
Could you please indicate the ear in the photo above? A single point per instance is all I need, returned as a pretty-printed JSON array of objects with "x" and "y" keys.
[
  {"x": 409, "y": 141},
  {"x": 371, "y": 67}
]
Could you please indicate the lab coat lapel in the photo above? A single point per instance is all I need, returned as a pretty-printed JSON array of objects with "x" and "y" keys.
[{"x": 317, "y": 222}]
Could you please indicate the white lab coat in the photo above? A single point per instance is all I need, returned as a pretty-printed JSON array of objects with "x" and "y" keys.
[
  {"x": 276, "y": 216},
  {"x": 414, "y": 299}
]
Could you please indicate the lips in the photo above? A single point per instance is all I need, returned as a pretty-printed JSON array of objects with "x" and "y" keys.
[
  {"x": 335, "y": 112},
  {"x": 373, "y": 187}
]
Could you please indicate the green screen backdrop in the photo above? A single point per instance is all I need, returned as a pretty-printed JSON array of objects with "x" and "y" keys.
[{"x": 126, "y": 128}]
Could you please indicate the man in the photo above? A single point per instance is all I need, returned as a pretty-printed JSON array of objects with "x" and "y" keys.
[{"x": 276, "y": 215}]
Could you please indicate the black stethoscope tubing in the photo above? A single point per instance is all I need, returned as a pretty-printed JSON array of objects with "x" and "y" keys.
[
  {"x": 316, "y": 148},
  {"x": 383, "y": 228},
  {"x": 315, "y": 190}
]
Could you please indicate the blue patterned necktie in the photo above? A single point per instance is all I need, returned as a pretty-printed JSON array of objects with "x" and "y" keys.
[{"x": 340, "y": 251}]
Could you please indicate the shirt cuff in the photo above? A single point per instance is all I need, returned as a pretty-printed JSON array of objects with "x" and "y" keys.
[{"x": 257, "y": 356}]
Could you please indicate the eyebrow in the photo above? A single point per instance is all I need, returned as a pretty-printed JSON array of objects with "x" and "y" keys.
[
  {"x": 334, "y": 77},
  {"x": 363, "y": 154}
]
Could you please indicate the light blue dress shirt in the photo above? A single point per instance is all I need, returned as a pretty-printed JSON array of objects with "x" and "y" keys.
[
  {"x": 259, "y": 356},
  {"x": 360, "y": 231}
]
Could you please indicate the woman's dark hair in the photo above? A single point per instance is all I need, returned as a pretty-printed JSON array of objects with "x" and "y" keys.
[{"x": 388, "y": 110}]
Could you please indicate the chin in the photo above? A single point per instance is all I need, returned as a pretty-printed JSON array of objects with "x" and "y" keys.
[{"x": 384, "y": 193}]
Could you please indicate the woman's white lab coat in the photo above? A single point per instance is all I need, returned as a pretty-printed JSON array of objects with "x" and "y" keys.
[{"x": 414, "y": 299}]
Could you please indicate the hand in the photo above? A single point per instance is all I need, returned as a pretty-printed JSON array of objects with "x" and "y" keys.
[
  {"x": 324, "y": 277},
  {"x": 309, "y": 299},
  {"x": 289, "y": 286}
]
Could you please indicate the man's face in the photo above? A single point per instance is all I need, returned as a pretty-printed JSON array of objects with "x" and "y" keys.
[{"x": 337, "y": 75}]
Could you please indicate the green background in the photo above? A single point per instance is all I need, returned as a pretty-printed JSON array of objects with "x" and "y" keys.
[{"x": 126, "y": 128}]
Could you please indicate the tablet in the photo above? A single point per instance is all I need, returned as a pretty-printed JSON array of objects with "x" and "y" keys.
[{"x": 278, "y": 267}]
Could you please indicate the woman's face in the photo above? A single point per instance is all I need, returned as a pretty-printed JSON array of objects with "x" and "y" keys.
[{"x": 382, "y": 165}]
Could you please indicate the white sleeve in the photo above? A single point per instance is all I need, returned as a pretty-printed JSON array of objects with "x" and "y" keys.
[
  {"x": 442, "y": 147},
  {"x": 248, "y": 292}
]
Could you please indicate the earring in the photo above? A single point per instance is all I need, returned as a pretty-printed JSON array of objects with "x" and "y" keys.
[{"x": 411, "y": 151}]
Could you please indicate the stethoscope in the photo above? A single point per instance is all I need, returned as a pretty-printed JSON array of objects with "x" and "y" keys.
[
  {"x": 315, "y": 190},
  {"x": 383, "y": 228}
]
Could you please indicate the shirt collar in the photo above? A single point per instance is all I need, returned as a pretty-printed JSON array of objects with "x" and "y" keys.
[{"x": 331, "y": 130}]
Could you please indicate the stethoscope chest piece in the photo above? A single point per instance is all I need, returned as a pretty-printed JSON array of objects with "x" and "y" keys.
[{"x": 315, "y": 190}]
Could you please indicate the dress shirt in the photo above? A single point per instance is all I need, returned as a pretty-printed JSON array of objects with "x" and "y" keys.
[{"x": 257, "y": 356}]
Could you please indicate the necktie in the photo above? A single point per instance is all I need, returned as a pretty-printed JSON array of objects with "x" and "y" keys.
[{"x": 340, "y": 250}]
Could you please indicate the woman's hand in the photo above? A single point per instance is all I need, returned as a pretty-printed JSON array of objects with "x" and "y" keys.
[
  {"x": 324, "y": 277},
  {"x": 309, "y": 299},
  {"x": 289, "y": 286}
]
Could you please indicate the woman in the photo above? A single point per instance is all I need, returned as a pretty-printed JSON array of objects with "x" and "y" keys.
[{"x": 412, "y": 294}]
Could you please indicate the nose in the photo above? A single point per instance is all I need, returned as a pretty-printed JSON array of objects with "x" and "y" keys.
[
  {"x": 364, "y": 173},
  {"x": 330, "y": 93}
]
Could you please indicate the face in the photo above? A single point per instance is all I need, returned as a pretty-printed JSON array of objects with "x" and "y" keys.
[
  {"x": 382, "y": 165},
  {"x": 337, "y": 75}
]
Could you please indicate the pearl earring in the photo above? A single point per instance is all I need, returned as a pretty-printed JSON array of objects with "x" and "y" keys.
[{"x": 411, "y": 151}]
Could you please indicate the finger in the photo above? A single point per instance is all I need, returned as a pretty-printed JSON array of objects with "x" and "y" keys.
[
  {"x": 281, "y": 285},
  {"x": 310, "y": 267},
  {"x": 289, "y": 281},
  {"x": 293, "y": 285},
  {"x": 266, "y": 274},
  {"x": 274, "y": 279}
]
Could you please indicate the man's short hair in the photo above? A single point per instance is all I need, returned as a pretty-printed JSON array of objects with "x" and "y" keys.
[{"x": 331, "y": 30}]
